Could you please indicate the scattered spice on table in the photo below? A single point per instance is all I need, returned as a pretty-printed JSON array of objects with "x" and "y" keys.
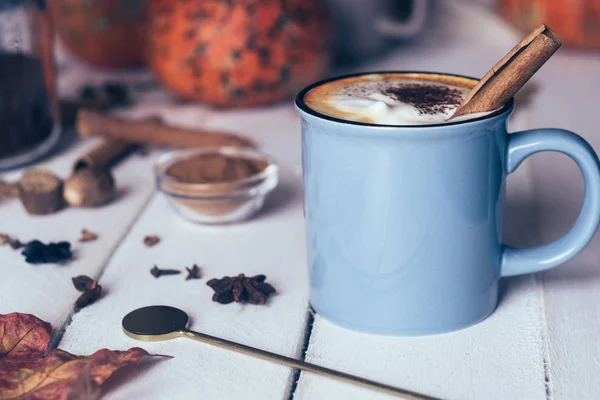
[
  {"x": 84, "y": 283},
  {"x": 90, "y": 288},
  {"x": 11, "y": 241},
  {"x": 241, "y": 289},
  {"x": 157, "y": 272},
  {"x": 87, "y": 236},
  {"x": 88, "y": 297},
  {"x": 36, "y": 252},
  {"x": 151, "y": 240},
  {"x": 193, "y": 273}
]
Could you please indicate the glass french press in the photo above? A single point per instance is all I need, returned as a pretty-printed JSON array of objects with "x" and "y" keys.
[{"x": 29, "y": 123}]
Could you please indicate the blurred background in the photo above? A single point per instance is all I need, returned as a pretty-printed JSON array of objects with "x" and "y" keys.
[{"x": 138, "y": 57}]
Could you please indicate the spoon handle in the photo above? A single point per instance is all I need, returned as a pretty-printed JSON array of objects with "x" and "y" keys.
[{"x": 291, "y": 362}]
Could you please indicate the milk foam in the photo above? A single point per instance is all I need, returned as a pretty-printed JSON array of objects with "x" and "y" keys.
[{"x": 389, "y": 100}]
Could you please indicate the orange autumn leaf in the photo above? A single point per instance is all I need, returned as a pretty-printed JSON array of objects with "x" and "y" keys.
[{"x": 25, "y": 373}]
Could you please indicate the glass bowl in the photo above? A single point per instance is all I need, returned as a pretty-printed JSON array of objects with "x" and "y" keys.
[{"x": 217, "y": 203}]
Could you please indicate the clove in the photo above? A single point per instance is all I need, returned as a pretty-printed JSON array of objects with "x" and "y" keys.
[
  {"x": 193, "y": 273},
  {"x": 157, "y": 272}
]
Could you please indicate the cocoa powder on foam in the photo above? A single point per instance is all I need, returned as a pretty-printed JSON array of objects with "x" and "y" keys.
[{"x": 428, "y": 93}]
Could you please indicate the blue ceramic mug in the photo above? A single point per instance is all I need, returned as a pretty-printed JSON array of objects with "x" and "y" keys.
[{"x": 404, "y": 223}]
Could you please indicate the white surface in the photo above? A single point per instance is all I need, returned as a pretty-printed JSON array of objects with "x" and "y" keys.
[
  {"x": 569, "y": 94},
  {"x": 542, "y": 342},
  {"x": 271, "y": 244},
  {"x": 46, "y": 290}
]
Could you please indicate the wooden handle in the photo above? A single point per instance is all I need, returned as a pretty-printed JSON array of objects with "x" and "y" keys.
[
  {"x": 90, "y": 123},
  {"x": 103, "y": 156},
  {"x": 509, "y": 75}
]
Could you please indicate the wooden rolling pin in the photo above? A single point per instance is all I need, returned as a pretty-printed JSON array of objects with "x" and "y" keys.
[{"x": 154, "y": 131}]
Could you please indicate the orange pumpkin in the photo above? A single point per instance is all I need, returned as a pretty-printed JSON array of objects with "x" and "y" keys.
[
  {"x": 237, "y": 52},
  {"x": 106, "y": 33},
  {"x": 576, "y": 22}
]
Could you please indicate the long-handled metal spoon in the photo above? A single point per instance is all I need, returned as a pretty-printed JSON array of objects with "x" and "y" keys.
[{"x": 156, "y": 323}]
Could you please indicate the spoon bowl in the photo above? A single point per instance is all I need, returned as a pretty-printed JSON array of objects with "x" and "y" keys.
[{"x": 155, "y": 323}]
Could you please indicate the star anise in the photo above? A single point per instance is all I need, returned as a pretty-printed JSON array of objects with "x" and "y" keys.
[{"x": 241, "y": 289}]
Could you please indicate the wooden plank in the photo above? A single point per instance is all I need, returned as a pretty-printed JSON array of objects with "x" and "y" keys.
[
  {"x": 502, "y": 357},
  {"x": 272, "y": 244},
  {"x": 568, "y": 97},
  {"x": 47, "y": 290}
]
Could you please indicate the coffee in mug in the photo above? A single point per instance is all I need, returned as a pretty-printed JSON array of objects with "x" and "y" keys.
[{"x": 392, "y": 98}]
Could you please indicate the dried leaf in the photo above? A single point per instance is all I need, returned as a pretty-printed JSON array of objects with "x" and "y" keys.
[
  {"x": 84, "y": 387},
  {"x": 26, "y": 374}
]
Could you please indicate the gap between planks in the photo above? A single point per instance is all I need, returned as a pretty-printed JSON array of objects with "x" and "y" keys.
[
  {"x": 310, "y": 321},
  {"x": 59, "y": 330}
]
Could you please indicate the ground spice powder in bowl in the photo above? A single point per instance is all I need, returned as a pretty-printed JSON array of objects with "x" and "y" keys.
[{"x": 216, "y": 186}]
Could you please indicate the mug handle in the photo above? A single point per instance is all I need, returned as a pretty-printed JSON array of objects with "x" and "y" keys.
[
  {"x": 521, "y": 145},
  {"x": 396, "y": 29}
]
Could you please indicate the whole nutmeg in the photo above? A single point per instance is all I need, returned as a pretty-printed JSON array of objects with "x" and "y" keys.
[
  {"x": 88, "y": 187},
  {"x": 40, "y": 191}
]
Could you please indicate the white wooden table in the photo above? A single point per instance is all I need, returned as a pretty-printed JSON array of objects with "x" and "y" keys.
[{"x": 541, "y": 343}]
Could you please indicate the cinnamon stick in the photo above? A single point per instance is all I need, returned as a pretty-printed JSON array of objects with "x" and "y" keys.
[
  {"x": 509, "y": 75},
  {"x": 103, "y": 156},
  {"x": 90, "y": 123}
]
